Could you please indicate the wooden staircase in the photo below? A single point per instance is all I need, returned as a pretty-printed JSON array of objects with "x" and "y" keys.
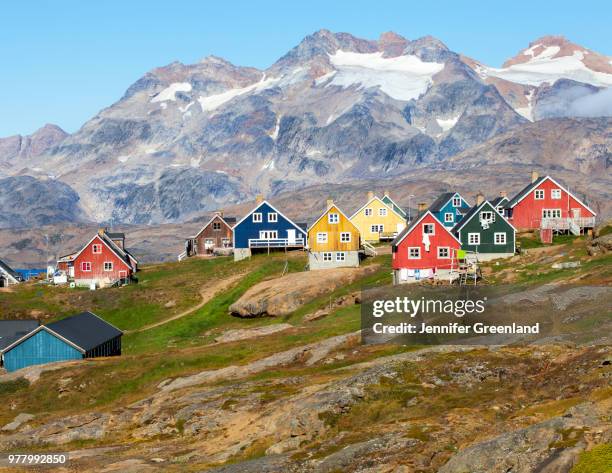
[{"x": 368, "y": 249}]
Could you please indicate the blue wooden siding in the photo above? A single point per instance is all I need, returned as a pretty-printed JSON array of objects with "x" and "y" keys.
[
  {"x": 457, "y": 212},
  {"x": 40, "y": 348},
  {"x": 249, "y": 229}
]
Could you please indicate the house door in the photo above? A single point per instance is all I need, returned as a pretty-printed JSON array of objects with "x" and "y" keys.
[
  {"x": 400, "y": 227},
  {"x": 122, "y": 274},
  {"x": 71, "y": 271},
  {"x": 576, "y": 213},
  {"x": 291, "y": 237}
]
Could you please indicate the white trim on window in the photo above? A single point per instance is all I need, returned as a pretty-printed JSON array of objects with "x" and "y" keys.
[
  {"x": 257, "y": 217},
  {"x": 333, "y": 218},
  {"x": 86, "y": 266},
  {"x": 428, "y": 225},
  {"x": 321, "y": 237},
  {"x": 456, "y": 201},
  {"x": 555, "y": 194},
  {"x": 345, "y": 237},
  {"x": 551, "y": 213},
  {"x": 379, "y": 228},
  {"x": 473, "y": 238},
  {"x": 327, "y": 256},
  {"x": 96, "y": 249},
  {"x": 382, "y": 212},
  {"x": 443, "y": 249},
  {"x": 272, "y": 217},
  {"x": 414, "y": 252},
  {"x": 499, "y": 238},
  {"x": 367, "y": 212},
  {"x": 340, "y": 256},
  {"x": 108, "y": 266},
  {"x": 538, "y": 194},
  {"x": 449, "y": 217}
]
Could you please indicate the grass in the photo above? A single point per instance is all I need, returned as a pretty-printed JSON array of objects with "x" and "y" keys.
[
  {"x": 13, "y": 386},
  {"x": 596, "y": 460}
]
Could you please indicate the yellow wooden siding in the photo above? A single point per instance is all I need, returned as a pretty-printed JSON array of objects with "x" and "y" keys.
[
  {"x": 364, "y": 223},
  {"x": 333, "y": 233}
]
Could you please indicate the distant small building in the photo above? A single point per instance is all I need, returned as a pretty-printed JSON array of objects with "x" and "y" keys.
[
  {"x": 266, "y": 229},
  {"x": 103, "y": 261},
  {"x": 216, "y": 234},
  {"x": 8, "y": 276},
  {"x": 545, "y": 204},
  {"x": 449, "y": 208},
  {"x": 377, "y": 220},
  {"x": 81, "y": 336},
  {"x": 333, "y": 240}
]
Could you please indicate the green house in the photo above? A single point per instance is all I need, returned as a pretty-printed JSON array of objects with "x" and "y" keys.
[{"x": 485, "y": 231}]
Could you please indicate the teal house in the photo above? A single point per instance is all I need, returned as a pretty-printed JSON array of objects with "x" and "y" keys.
[
  {"x": 486, "y": 232},
  {"x": 449, "y": 208}
]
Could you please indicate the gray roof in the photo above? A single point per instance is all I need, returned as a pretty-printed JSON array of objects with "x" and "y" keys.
[
  {"x": 441, "y": 201},
  {"x": 85, "y": 330},
  {"x": 498, "y": 200},
  {"x": 11, "y": 330},
  {"x": 526, "y": 190},
  {"x": 10, "y": 270}
]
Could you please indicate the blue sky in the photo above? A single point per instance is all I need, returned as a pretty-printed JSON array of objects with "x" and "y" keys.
[{"x": 63, "y": 61}]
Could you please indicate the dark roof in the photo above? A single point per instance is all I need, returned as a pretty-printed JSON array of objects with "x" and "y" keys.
[
  {"x": 468, "y": 215},
  {"x": 407, "y": 229},
  {"x": 85, "y": 330},
  {"x": 526, "y": 190},
  {"x": 302, "y": 225},
  {"x": 11, "y": 330},
  {"x": 495, "y": 202},
  {"x": 116, "y": 236},
  {"x": 230, "y": 219},
  {"x": 121, "y": 253},
  {"x": 10, "y": 270},
  {"x": 441, "y": 201}
]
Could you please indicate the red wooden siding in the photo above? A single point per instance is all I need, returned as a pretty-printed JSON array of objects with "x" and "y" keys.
[
  {"x": 527, "y": 214},
  {"x": 429, "y": 259},
  {"x": 97, "y": 263}
]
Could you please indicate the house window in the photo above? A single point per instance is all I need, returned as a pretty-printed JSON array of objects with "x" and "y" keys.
[
  {"x": 345, "y": 237},
  {"x": 473, "y": 238},
  {"x": 414, "y": 252},
  {"x": 368, "y": 212},
  {"x": 108, "y": 266},
  {"x": 555, "y": 194},
  {"x": 216, "y": 226},
  {"x": 97, "y": 249},
  {"x": 443, "y": 252},
  {"x": 500, "y": 238},
  {"x": 382, "y": 212},
  {"x": 327, "y": 256},
  {"x": 429, "y": 229},
  {"x": 487, "y": 216},
  {"x": 449, "y": 217},
  {"x": 322, "y": 237},
  {"x": 377, "y": 228},
  {"x": 257, "y": 217},
  {"x": 272, "y": 217},
  {"x": 333, "y": 218},
  {"x": 340, "y": 256},
  {"x": 226, "y": 242},
  {"x": 268, "y": 235},
  {"x": 456, "y": 201},
  {"x": 539, "y": 194},
  {"x": 86, "y": 266},
  {"x": 551, "y": 213}
]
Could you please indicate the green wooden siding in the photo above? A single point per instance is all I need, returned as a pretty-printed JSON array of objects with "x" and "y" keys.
[{"x": 487, "y": 236}]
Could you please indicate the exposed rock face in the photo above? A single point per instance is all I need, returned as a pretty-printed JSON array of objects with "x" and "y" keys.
[{"x": 23, "y": 147}]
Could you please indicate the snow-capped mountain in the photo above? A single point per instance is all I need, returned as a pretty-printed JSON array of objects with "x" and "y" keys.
[{"x": 185, "y": 139}]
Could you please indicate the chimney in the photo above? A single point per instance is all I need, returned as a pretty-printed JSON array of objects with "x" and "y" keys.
[
  {"x": 534, "y": 176},
  {"x": 330, "y": 202},
  {"x": 421, "y": 207},
  {"x": 101, "y": 231},
  {"x": 387, "y": 194},
  {"x": 503, "y": 194},
  {"x": 259, "y": 199},
  {"x": 219, "y": 213},
  {"x": 479, "y": 198},
  {"x": 370, "y": 195}
]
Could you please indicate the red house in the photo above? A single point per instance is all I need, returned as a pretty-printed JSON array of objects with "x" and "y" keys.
[
  {"x": 103, "y": 261},
  {"x": 546, "y": 204},
  {"x": 424, "y": 249}
]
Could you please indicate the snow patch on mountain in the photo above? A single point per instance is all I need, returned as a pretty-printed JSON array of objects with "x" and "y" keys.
[
  {"x": 447, "y": 123},
  {"x": 169, "y": 93},
  {"x": 545, "y": 68},
  {"x": 527, "y": 111},
  {"x": 401, "y": 78}
]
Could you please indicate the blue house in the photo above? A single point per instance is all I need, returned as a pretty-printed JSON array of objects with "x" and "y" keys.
[
  {"x": 449, "y": 208},
  {"x": 81, "y": 336},
  {"x": 264, "y": 229}
]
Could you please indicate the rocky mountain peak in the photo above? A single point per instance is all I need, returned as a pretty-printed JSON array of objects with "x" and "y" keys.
[{"x": 392, "y": 44}]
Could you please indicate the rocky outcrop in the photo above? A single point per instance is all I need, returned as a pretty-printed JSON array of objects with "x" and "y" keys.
[{"x": 599, "y": 245}]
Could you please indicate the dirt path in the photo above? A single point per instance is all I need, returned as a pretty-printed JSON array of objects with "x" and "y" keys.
[{"x": 206, "y": 293}]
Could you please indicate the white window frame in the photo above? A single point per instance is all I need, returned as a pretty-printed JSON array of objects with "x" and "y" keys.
[
  {"x": 477, "y": 237},
  {"x": 83, "y": 269},
  {"x": 551, "y": 213},
  {"x": 433, "y": 228},
  {"x": 555, "y": 194},
  {"x": 327, "y": 256},
  {"x": 257, "y": 217},
  {"x": 322, "y": 237},
  {"x": 110, "y": 268},
  {"x": 98, "y": 246},
  {"x": 268, "y": 234},
  {"x": 418, "y": 251},
  {"x": 447, "y": 248},
  {"x": 333, "y": 218},
  {"x": 500, "y": 234},
  {"x": 380, "y": 228},
  {"x": 216, "y": 226},
  {"x": 449, "y": 217},
  {"x": 368, "y": 212},
  {"x": 340, "y": 256},
  {"x": 347, "y": 235},
  {"x": 272, "y": 217},
  {"x": 456, "y": 201},
  {"x": 540, "y": 193},
  {"x": 382, "y": 212},
  {"x": 488, "y": 213}
]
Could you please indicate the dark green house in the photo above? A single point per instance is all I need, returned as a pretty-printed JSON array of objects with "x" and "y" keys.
[{"x": 485, "y": 231}]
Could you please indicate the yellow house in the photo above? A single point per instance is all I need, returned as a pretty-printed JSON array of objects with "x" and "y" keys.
[
  {"x": 333, "y": 241},
  {"x": 378, "y": 221}
]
